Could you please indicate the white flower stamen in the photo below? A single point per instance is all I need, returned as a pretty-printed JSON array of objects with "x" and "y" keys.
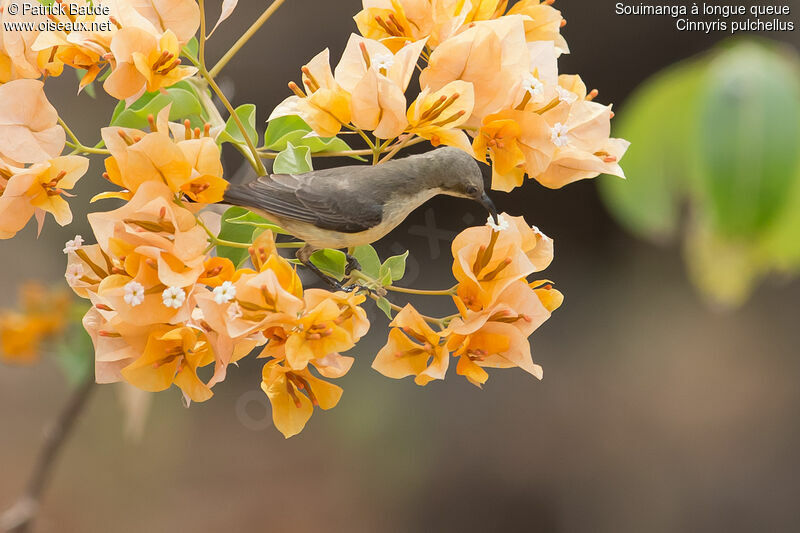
[
  {"x": 502, "y": 223},
  {"x": 73, "y": 245},
  {"x": 224, "y": 293},
  {"x": 532, "y": 85},
  {"x": 558, "y": 134},
  {"x": 383, "y": 62},
  {"x": 134, "y": 293},
  {"x": 565, "y": 95},
  {"x": 74, "y": 273},
  {"x": 173, "y": 297}
]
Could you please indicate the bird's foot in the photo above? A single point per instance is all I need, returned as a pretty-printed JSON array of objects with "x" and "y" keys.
[
  {"x": 357, "y": 287},
  {"x": 352, "y": 264},
  {"x": 349, "y": 286}
]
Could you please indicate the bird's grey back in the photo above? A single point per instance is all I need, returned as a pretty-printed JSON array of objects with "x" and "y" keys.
[{"x": 350, "y": 199}]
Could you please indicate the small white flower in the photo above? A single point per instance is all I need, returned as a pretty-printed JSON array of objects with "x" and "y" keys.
[
  {"x": 224, "y": 293},
  {"x": 558, "y": 134},
  {"x": 73, "y": 245},
  {"x": 566, "y": 96},
  {"x": 134, "y": 293},
  {"x": 173, "y": 297},
  {"x": 383, "y": 61},
  {"x": 234, "y": 311},
  {"x": 502, "y": 223},
  {"x": 532, "y": 85},
  {"x": 74, "y": 273}
]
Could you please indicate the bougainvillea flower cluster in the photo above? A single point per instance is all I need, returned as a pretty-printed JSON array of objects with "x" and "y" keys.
[{"x": 178, "y": 294}]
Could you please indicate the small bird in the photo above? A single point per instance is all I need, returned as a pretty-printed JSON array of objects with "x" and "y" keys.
[{"x": 350, "y": 206}]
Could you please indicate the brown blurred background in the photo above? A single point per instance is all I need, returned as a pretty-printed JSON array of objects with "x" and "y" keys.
[{"x": 656, "y": 413}]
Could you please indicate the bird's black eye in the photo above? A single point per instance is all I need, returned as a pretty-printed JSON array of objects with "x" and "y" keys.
[{"x": 472, "y": 190}]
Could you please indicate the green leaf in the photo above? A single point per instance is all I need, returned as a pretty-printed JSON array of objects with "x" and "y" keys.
[
  {"x": 384, "y": 305},
  {"x": 659, "y": 121},
  {"x": 385, "y": 276},
  {"x": 232, "y": 133},
  {"x": 185, "y": 105},
  {"x": 191, "y": 49},
  {"x": 258, "y": 222},
  {"x": 331, "y": 262},
  {"x": 368, "y": 258},
  {"x": 284, "y": 130},
  {"x": 396, "y": 266},
  {"x": 747, "y": 145},
  {"x": 780, "y": 244},
  {"x": 293, "y": 160},
  {"x": 292, "y": 129},
  {"x": 240, "y": 233}
]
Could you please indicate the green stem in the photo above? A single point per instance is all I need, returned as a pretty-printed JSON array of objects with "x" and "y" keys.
[
  {"x": 245, "y": 37},
  {"x": 257, "y": 163},
  {"x": 377, "y": 150},
  {"x": 256, "y": 160},
  {"x": 76, "y": 144},
  {"x": 80, "y": 149},
  {"x": 400, "y": 145},
  {"x": 216, "y": 241},
  {"x": 211, "y": 236},
  {"x": 245, "y": 245},
  {"x": 201, "y": 48},
  {"x": 363, "y": 136},
  {"x": 357, "y": 275},
  {"x": 231, "y": 244},
  {"x": 446, "y": 292},
  {"x": 429, "y": 319}
]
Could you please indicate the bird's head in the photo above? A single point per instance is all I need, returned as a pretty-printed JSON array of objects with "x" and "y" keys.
[{"x": 458, "y": 174}]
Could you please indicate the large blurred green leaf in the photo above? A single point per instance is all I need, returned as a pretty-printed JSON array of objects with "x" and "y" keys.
[
  {"x": 720, "y": 133},
  {"x": 659, "y": 122},
  {"x": 782, "y": 242},
  {"x": 748, "y": 150}
]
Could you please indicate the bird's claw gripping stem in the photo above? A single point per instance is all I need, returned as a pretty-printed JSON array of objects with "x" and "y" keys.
[
  {"x": 304, "y": 255},
  {"x": 352, "y": 264}
]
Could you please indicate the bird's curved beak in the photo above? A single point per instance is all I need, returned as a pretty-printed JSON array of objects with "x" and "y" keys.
[{"x": 489, "y": 205}]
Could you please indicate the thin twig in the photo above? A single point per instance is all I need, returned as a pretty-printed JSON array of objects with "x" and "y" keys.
[
  {"x": 20, "y": 517},
  {"x": 424, "y": 292},
  {"x": 399, "y": 146},
  {"x": 245, "y": 37},
  {"x": 429, "y": 319},
  {"x": 76, "y": 144}
]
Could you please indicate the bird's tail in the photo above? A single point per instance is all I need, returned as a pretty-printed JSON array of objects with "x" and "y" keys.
[{"x": 240, "y": 195}]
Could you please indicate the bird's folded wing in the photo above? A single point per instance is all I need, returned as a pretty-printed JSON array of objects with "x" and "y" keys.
[{"x": 321, "y": 201}]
